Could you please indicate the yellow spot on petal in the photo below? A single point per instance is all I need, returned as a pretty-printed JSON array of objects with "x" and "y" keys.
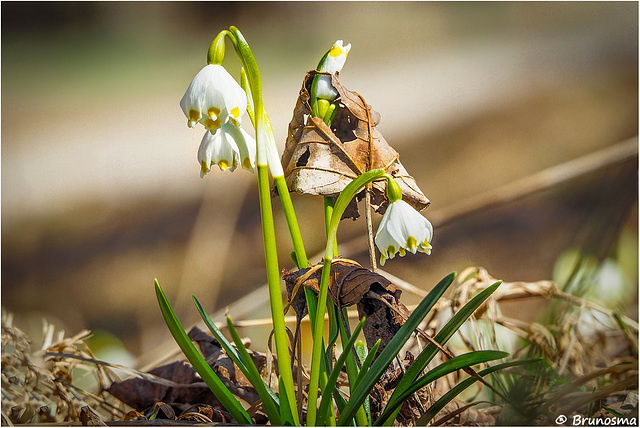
[
  {"x": 412, "y": 244},
  {"x": 223, "y": 164},
  {"x": 211, "y": 124},
  {"x": 335, "y": 51},
  {"x": 194, "y": 115},
  {"x": 204, "y": 168},
  {"x": 246, "y": 163},
  {"x": 391, "y": 249},
  {"x": 402, "y": 252},
  {"x": 213, "y": 111},
  {"x": 235, "y": 112}
]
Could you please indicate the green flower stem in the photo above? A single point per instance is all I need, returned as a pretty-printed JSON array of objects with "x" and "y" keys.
[
  {"x": 292, "y": 222},
  {"x": 263, "y": 129},
  {"x": 275, "y": 292},
  {"x": 340, "y": 206},
  {"x": 317, "y": 341},
  {"x": 328, "y": 212}
]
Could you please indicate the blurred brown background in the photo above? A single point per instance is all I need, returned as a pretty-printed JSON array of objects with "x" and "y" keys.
[{"x": 100, "y": 185}]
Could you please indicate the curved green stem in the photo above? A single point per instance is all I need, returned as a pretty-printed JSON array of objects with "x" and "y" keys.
[
  {"x": 340, "y": 206},
  {"x": 215, "y": 54}
]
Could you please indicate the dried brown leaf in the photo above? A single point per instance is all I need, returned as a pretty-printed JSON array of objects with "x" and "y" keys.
[
  {"x": 322, "y": 160},
  {"x": 351, "y": 284},
  {"x": 189, "y": 388}
]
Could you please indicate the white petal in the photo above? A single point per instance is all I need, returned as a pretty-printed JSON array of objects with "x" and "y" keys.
[
  {"x": 246, "y": 145},
  {"x": 225, "y": 150},
  {"x": 193, "y": 101},
  {"x": 324, "y": 88},
  {"x": 336, "y": 58},
  {"x": 205, "y": 152}
]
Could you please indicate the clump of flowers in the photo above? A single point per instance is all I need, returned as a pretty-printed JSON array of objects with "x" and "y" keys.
[
  {"x": 218, "y": 102},
  {"x": 215, "y": 100}
]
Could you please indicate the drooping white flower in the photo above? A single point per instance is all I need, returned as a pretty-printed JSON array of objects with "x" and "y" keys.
[
  {"x": 229, "y": 146},
  {"x": 213, "y": 98},
  {"x": 403, "y": 228},
  {"x": 333, "y": 62}
]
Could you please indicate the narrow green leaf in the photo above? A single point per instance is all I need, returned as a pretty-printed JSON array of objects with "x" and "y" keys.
[
  {"x": 221, "y": 392},
  {"x": 449, "y": 366},
  {"x": 229, "y": 349},
  {"x": 366, "y": 359},
  {"x": 270, "y": 407},
  {"x": 285, "y": 409},
  {"x": 460, "y": 387},
  {"x": 442, "y": 337},
  {"x": 352, "y": 365},
  {"x": 333, "y": 377},
  {"x": 386, "y": 356},
  {"x": 367, "y": 362}
]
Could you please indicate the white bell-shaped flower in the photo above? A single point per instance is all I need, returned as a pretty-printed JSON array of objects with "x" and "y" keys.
[
  {"x": 333, "y": 62},
  {"x": 403, "y": 229},
  {"x": 213, "y": 98},
  {"x": 227, "y": 147}
]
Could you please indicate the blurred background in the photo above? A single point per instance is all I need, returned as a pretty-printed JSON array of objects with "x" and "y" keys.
[{"x": 100, "y": 184}]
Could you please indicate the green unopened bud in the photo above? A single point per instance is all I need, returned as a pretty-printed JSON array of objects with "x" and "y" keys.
[
  {"x": 323, "y": 106},
  {"x": 215, "y": 55},
  {"x": 394, "y": 193}
]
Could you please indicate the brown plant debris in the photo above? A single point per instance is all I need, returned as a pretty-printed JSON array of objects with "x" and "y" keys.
[
  {"x": 322, "y": 160},
  {"x": 351, "y": 284},
  {"x": 38, "y": 383},
  {"x": 186, "y": 389}
]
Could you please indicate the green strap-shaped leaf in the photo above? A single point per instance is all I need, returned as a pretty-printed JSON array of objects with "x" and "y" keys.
[
  {"x": 221, "y": 392},
  {"x": 270, "y": 407},
  {"x": 449, "y": 366},
  {"x": 352, "y": 365},
  {"x": 367, "y": 362},
  {"x": 229, "y": 349},
  {"x": 460, "y": 387},
  {"x": 333, "y": 377},
  {"x": 430, "y": 351},
  {"x": 393, "y": 347}
]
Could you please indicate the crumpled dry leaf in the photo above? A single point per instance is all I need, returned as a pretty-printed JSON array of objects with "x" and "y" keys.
[
  {"x": 143, "y": 394},
  {"x": 319, "y": 160},
  {"x": 351, "y": 284}
]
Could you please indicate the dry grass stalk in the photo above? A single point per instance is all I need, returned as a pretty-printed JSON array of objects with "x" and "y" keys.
[{"x": 38, "y": 384}]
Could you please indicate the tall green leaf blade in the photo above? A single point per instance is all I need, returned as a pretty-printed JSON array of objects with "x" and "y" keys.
[
  {"x": 393, "y": 347},
  {"x": 270, "y": 407},
  {"x": 460, "y": 387},
  {"x": 352, "y": 365},
  {"x": 286, "y": 413},
  {"x": 221, "y": 392},
  {"x": 366, "y": 360},
  {"x": 449, "y": 366},
  {"x": 430, "y": 351},
  {"x": 228, "y": 348},
  {"x": 333, "y": 377}
]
